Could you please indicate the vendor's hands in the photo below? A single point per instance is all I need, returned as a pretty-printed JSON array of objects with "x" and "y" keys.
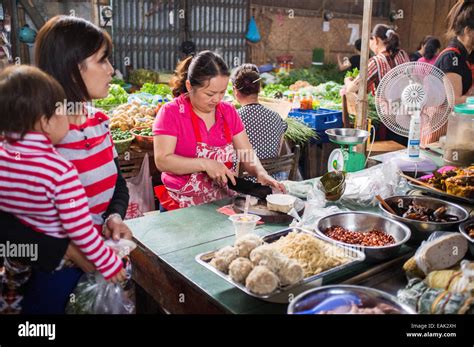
[
  {"x": 74, "y": 255},
  {"x": 119, "y": 277},
  {"x": 268, "y": 180},
  {"x": 219, "y": 172},
  {"x": 117, "y": 229}
]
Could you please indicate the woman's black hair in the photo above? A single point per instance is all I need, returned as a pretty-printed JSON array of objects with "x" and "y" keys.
[
  {"x": 62, "y": 45},
  {"x": 431, "y": 47},
  {"x": 246, "y": 79},
  {"x": 198, "y": 70},
  {"x": 26, "y": 95},
  {"x": 358, "y": 44},
  {"x": 424, "y": 41},
  {"x": 460, "y": 17},
  {"x": 389, "y": 37}
]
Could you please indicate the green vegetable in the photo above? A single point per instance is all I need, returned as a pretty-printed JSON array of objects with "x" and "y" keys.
[
  {"x": 117, "y": 96},
  {"x": 143, "y": 132},
  {"x": 141, "y": 76},
  {"x": 352, "y": 73},
  {"x": 314, "y": 75},
  {"x": 156, "y": 89},
  {"x": 119, "y": 135},
  {"x": 274, "y": 90},
  {"x": 298, "y": 133}
]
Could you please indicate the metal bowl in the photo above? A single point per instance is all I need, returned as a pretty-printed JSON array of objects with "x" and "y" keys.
[
  {"x": 347, "y": 136},
  {"x": 463, "y": 229},
  {"x": 307, "y": 302},
  {"x": 422, "y": 230},
  {"x": 363, "y": 222}
]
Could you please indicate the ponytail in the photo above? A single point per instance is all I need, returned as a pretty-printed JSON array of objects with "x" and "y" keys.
[
  {"x": 431, "y": 47},
  {"x": 178, "y": 81},
  {"x": 389, "y": 37}
]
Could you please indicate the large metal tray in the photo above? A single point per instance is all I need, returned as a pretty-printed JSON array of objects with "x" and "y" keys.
[
  {"x": 440, "y": 194},
  {"x": 354, "y": 255}
]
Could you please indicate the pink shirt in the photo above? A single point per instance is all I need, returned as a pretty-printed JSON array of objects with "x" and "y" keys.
[
  {"x": 170, "y": 121},
  {"x": 432, "y": 61}
]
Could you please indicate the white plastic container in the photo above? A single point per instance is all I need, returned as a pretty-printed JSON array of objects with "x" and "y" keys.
[{"x": 244, "y": 223}]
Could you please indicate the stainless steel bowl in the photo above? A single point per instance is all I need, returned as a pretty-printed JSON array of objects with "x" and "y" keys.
[
  {"x": 422, "y": 230},
  {"x": 463, "y": 229},
  {"x": 306, "y": 302},
  {"x": 347, "y": 136},
  {"x": 363, "y": 222}
]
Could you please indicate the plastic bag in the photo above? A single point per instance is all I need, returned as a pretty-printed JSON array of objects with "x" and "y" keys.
[
  {"x": 253, "y": 35},
  {"x": 363, "y": 186},
  {"x": 94, "y": 295},
  {"x": 466, "y": 282},
  {"x": 140, "y": 189},
  {"x": 448, "y": 255}
]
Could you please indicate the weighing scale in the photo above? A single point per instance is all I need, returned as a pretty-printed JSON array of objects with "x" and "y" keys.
[{"x": 345, "y": 158}]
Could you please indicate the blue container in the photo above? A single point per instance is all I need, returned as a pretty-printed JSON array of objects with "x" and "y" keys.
[{"x": 319, "y": 120}]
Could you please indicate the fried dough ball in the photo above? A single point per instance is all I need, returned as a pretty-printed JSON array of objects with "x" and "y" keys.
[
  {"x": 239, "y": 269},
  {"x": 224, "y": 257},
  {"x": 261, "y": 281},
  {"x": 268, "y": 256},
  {"x": 290, "y": 272},
  {"x": 247, "y": 244}
]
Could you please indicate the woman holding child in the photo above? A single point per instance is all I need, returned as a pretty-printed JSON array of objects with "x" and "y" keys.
[{"x": 75, "y": 53}]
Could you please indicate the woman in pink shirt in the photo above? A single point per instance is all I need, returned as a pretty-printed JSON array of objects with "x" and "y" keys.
[
  {"x": 431, "y": 53},
  {"x": 199, "y": 138}
]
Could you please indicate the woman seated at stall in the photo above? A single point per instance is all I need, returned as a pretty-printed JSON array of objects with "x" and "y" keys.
[
  {"x": 420, "y": 52},
  {"x": 197, "y": 137},
  {"x": 385, "y": 44},
  {"x": 265, "y": 128}
]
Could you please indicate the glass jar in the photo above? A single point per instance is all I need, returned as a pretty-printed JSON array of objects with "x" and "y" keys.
[{"x": 459, "y": 147}]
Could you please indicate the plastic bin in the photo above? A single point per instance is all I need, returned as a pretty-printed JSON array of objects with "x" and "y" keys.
[{"x": 319, "y": 120}]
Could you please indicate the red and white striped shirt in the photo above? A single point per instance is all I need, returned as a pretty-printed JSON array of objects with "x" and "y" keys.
[
  {"x": 90, "y": 148},
  {"x": 42, "y": 189},
  {"x": 380, "y": 65}
]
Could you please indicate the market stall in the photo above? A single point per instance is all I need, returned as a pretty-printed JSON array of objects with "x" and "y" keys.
[{"x": 171, "y": 277}]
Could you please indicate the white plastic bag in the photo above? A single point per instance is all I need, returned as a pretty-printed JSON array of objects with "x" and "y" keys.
[
  {"x": 140, "y": 189},
  {"x": 94, "y": 295}
]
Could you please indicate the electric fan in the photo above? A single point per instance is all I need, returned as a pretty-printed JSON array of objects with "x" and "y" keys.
[{"x": 414, "y": 100}]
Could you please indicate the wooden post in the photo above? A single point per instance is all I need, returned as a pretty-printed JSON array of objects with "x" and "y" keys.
[{"x": 362, "y": 106}]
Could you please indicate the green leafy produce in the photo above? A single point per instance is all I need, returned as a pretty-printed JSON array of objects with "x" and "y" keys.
[
  {"x": 298, "y": 133},
  {"x": 352, "y": 73},
  {"x": 313, "y": 75},
  {"x": 141, "y": 76},
  {"x": 116, "y": 80},
  {"x": 117, "y": 96},
  {"x": 119, "y": 135},
  {"x": 274, "y": 90},
  {"x": 156, "y": 89},
  {"x": 143, "y": 132}
]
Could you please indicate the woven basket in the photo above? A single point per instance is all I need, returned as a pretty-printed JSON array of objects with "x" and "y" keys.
[
  {"x": 123, "y": 145},
  {"x": 281, "y": 107}
]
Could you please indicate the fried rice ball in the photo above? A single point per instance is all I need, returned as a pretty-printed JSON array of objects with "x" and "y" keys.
[
  {"x": 268, "y": 256},
  {"x": 290, "y": 272},
  {"x": 224, "y": 257},
  {"x": 239, "y": 269},
  {"x": 247, "y": 244},
  {"x": 261, "y": 281}
]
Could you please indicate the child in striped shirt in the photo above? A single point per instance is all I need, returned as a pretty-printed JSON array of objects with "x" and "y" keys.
[{"x": 37, "y": 185}]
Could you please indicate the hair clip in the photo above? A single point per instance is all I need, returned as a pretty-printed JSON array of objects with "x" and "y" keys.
[{"x": 258, "y": 79}]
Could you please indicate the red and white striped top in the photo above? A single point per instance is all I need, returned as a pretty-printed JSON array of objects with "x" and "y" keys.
[
  {"x": 380, "y": 65},
  {"x": 90, "y": 148},
  {"x": 42, "y": 189}
]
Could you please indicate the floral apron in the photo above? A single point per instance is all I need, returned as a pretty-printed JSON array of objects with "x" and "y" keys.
[{"x": 200, "y": 188}]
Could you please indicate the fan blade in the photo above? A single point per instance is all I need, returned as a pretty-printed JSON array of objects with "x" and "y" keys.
[
  {"x": 435, "y": 91},
  {"x": 394, "y": 88}
]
